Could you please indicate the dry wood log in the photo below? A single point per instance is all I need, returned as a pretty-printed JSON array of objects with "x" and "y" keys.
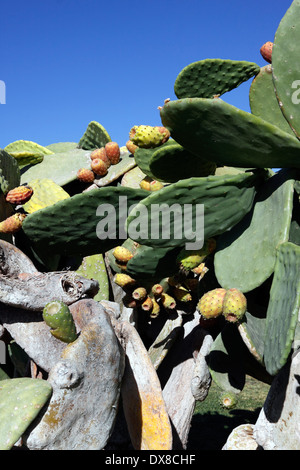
[
  {"x": 86, "y": 384},
  {"x": 31, "y": 291},
  {"x": 143, "y": 404},
  {"x": 176, "y": 377}
]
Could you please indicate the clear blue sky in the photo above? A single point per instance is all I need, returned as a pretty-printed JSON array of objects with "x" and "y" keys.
[{"x": 68, "y": 62}]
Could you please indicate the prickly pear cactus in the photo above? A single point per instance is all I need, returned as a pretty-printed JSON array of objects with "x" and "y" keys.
[
  {"x": 21, "y": 400},
  {"x": 192, "y": 234}
]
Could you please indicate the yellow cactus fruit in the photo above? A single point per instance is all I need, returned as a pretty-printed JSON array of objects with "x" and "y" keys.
[
  {"x": 211, "y": 304},
  {"x": 122, "y": 254},
  {"x": 13, "y": 223}
]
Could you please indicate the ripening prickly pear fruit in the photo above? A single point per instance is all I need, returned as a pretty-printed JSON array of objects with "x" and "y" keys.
[
  {"x": 155, "y": 311},
  {"x": 228, "y": 400},
  {"x": 168, "y": 301},
  {"x": 147, "y": 304},
  {"x": 99, "y": 167},
  {"x": 19, "y": 195},
  {"x": 85, "y": 175},
  {"x": 200, "y": 270},
  {"x": 139, "y": 293},
  {"x": 149, "y": 184},
  {"x": 124, "y": 280},
  {"x": 122, "y": 254},
  {"x": 157, "y": 289},
  {"x": 57, "y": 315},
  {"x": 266, "y": 51},
  {"x": 190, "y": 259},
  {"x": 234, "y": 305},
  {"x": 131, "y": 146},
  {"x": 112, "y": 151},
  {"x": 181, "y": 294},
  {"x": 100, "y": 153},
  {"x": 149, "y": 136},
  {"x": 13, "y": 223},
  {"x": 211, "y": 304}
]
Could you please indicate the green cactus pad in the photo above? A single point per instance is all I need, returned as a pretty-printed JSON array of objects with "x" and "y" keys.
[
  {"x": 225, "y": 360},
  {"x": 263, "y": 101},
  {"x": 256, "y": 237},
  {"x": 27, "y": 152},
  {"x": 233, "y": 136},
  {"x": 252, "y": 331},
  {"x": 21, "y": 400},
  {"x": 9, "y": 172},
  {"x": 210, "y": 77},
  {"x": 226, "y": 200},
  {"x": 45, "y": 193},
  {"x": 286, "y": 66},
  {"x": 95, "y": 136},
  {"x": 59, "y": 167},
  {"x": 70, "y": 226},
  {"x": 57, "y": 315},
  {"x": 152, "y": 263},
  {"x": 126, "y": 163},
  {"x": 93, "y": 267},
  {"x": 173, "y": 163},
  {"x": 143, "y": 156},
  {"x": 283, "y": 308},
  {"x": 59, "y": 147}
]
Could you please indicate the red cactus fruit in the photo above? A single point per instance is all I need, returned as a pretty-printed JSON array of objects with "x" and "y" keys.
[
  {"x": 112, "y": 150},
  {"x": 19, "y": 195},
  {"x": 99, "y": 167},
  {"x": 266, "y": 51},
  {"x": 85, "y": 175},
  {"x": 100, "y": 153}
]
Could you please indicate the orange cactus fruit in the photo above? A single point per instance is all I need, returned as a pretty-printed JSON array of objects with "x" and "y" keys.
[
  {"x": 100, "y": 153},
  {"x": 85, "y": 175},
  {"x": 13, "y": 223},
  {"x": 19, "y": 195},
  {"x": 131, "y": 146},
  {"x": 266, "y": 51},
  {"x": 99, "y": 167},
  {"x": 113, "y": 152}
]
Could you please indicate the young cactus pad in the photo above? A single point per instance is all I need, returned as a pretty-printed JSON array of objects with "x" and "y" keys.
[
  {"x": 95, "y": 136},
  {"x": 209, "y": 77},
  {"x": 21, "y": 400},
  {"x": 57, "y": 315}
]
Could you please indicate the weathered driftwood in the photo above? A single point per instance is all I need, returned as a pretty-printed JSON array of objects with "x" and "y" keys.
[
  {"x": 162, "y": 344},
  {"x": 32, "y": 291},
  {"x": 241, "y": 438},
  {"x": 201, "y": 380},
  {"x": 33, "y": 335},
  {"x": 278, "y": 425},
  {"x": 13, "y": 261},
  {"x": 143, "y": 404},
  {"x": 86, "y": 385},
  {"x": 177, "y": 390}
]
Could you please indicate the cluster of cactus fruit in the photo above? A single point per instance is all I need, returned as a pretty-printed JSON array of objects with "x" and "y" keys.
[{"x": 244, "y": 282}]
